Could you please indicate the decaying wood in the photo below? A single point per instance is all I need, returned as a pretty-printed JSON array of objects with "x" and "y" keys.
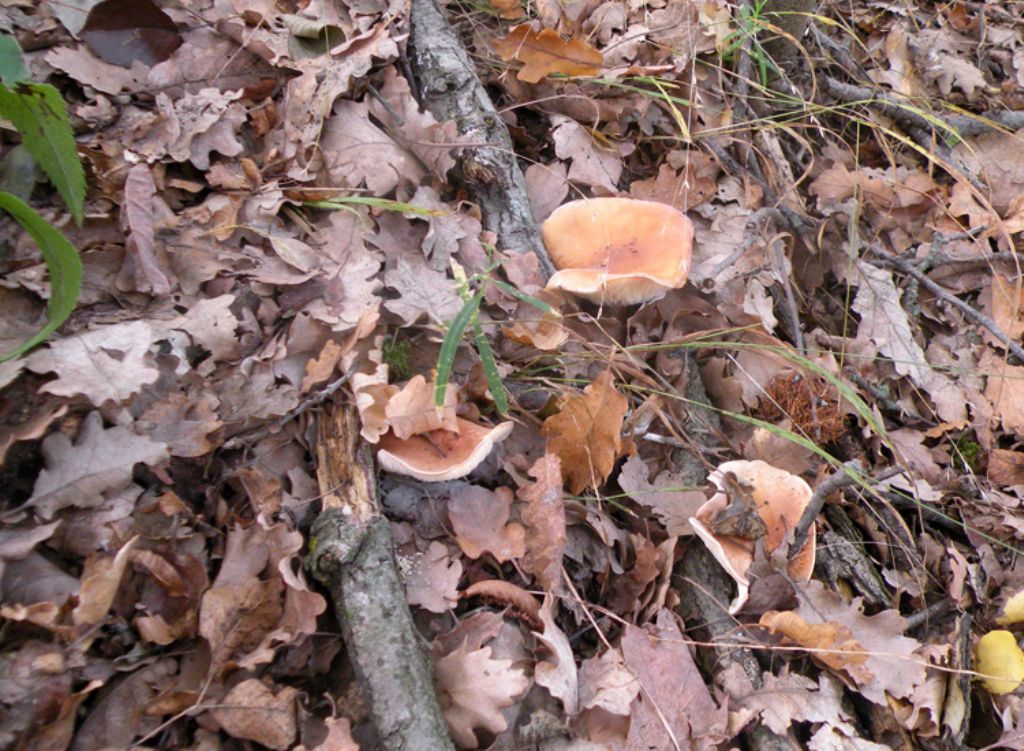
[
  {"x": 351, "y": 554},
  {"x": 488, "y": 167}
]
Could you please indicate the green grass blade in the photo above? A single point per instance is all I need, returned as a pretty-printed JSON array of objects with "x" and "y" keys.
[
  {"x": 519, "y": 295},
  {"x": 62, "y": 261},
  {"x": 490, "y": 365},
  {"x": 37, "y": 111},
  {"x": 446, "y": 358},
  {"x": 385, "y": 204}
]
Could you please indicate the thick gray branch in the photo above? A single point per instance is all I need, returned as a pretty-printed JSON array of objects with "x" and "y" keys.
[{"x": 488, "y": 167}]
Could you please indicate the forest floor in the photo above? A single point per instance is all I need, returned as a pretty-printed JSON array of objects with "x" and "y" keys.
[{"x": 279, "y": 233}]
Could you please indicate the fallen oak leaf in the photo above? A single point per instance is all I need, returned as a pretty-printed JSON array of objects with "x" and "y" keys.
[
  {"x": 472, "y": 687},
  {"x": 586, "y": 434},
  {"x": 546, "y": 52},
  {"x": 480, "y": 521},
  {"x": 893, "y": 660}
]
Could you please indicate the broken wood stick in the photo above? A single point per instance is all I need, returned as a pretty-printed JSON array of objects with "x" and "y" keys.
[
  {"x": 488, "y": 168},
  {"x": 352, "y": 554}
]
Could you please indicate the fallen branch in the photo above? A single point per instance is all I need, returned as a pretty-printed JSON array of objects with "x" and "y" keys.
[
  {"x": 899, "y": 110},
  {"x": 351, "y": 554},
  {"x": 489, "y": 170},
  {"x": 907, "y": 268}
]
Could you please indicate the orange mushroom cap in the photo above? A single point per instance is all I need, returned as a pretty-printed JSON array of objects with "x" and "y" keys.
[
  {"x": 440, "y": 454},
  {"x": 618, "y": 251},
  {"x": 781, "y": 498}
]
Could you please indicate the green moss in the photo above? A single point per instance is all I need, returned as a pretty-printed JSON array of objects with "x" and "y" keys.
[
  {"x": 966, "y": 453},
  {"x": 396, "y": 355}
]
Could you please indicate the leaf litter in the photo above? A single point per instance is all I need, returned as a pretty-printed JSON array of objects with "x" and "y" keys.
[{"x": 275, "y": 222}]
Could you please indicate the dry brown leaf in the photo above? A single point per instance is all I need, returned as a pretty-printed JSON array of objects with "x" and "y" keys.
[
  {"x": 667, "y": 495},
  {"x": 545, "y": 52},
  {"x": 111, "y": 363},
  {"x": 432, "y": 579},
  {"x": 885, "y": 326},
  {"x": 1006, "y": 468},
  {"x": 472, "y": 687},
  {"x": 544, "y": 517},
  {"x": 98, "y": 465},
  {"x": 557, "y": 675},
  {"x": 1004, "y": 388},
  {"x": 480, "y": 522},
  {"x": 141, "y": 214},
  {"x": 171, "y": 595},
  {"x": 674, "y": 697},
  {"x": 185, "y": 422},
  {"x": 830, "y": 643},
  {"x": 411, "y": 411},
  {"x": 101, "y": 579},
  {"x": 1003, "y": 301},
  {"x": 252, "y": 711},
  {"x": 320, "y": 368},
  {"x": 545, "y": 333},
  {"x": 258, "y": 600},
  {"x": 893, "y": 660},
  {"x": 606, "y": 683},
  {"x": 339, "y": 736},
  {"x": 357, "y": 152},
  {"x": 116, "y": 718},
  {"x": 594, "y": 164},
  {"x": 586, "y": 433},
  {"x": 789, "y": 697}
]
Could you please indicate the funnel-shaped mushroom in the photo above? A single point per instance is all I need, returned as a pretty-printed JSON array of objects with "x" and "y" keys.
[
  {"x": 779, "y": 498},
  {"x": 440, "y": 454},
  {"x": 618, "y": 251}
]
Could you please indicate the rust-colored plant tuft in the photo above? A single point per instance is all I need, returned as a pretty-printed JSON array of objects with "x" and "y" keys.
[{"x": 810, "y": 403}]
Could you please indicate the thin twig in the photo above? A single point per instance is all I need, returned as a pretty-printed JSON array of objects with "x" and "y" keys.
[
  {"x": 934, "y": 610},
  {"x": 956, "y": 302},
  {"x": 880, "y": 394},
  {"x": 247, "y": 438},
  {"x": 849, "y": 474}
]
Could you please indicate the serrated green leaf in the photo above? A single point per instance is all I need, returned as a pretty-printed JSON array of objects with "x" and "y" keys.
[
  {"x": 490, "y": 365},
  {"x": 12, "y": 66},
  {"x": 37, "y": 111},
  {"x": 62, "y": 261},
  {"x": 450, "y": 345}
]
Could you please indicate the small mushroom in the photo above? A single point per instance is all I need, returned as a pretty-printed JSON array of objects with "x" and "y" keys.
[
  {"x": 440, "y": 454},
  {"x": 618, "y": 251},
  {"x": 779, "y": 498}
]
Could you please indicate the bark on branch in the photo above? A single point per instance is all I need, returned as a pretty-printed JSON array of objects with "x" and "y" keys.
[{"x": 352, "y": 555}]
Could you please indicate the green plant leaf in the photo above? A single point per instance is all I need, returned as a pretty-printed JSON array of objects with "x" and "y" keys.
[
  {"x": 529, "y": 299},
  {"x": 37, "y": 111},
  {"x": 12, "y": 66},
  {"x": 385, "y": 204},
  {"x": 62, "y": 261},
  {"x": 450, "y": 345},
  {"x": 490, "y": 365}
]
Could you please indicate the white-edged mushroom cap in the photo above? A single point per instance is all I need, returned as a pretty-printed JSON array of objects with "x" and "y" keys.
[
  {"x": 618, "y": 251},
  {"x": 781, "y": 498},
  {"x": 441, "y": 454}
]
